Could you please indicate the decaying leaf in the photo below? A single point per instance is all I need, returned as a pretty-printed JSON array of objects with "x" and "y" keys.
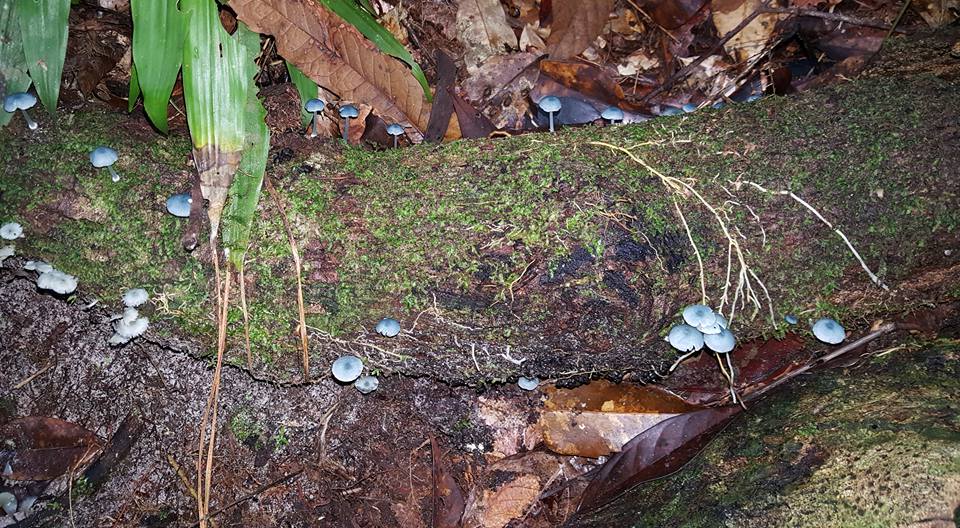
[
  {"x": 672, "y": 14},
  {"x": 752, "y": 39},
  {"x": 484, "y": 31},
  {"x": 336, "y": 56},
  {"x": 508, "y": 488},
  {"x": 654, "y": 453},
  {"x": 42, "y": 448},
  {"x": 576, "y": 23},
  {"x": 586, "y": 79},
  {"x": 599, "y": 418},
  {"x": 448, "y": 503}
]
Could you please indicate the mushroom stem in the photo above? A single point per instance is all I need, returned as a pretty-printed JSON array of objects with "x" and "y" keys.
[
  {"x": 31, "y": 124},
  {"x": 313, "y": 126},
  {"x": 395, "y": 141},
  {"x": 113, "y": 174},
  {"x": 346, "y": 129},
  {"x": 551, "y": 120}
]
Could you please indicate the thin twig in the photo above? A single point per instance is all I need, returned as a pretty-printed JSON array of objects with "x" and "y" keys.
[
  {"x": 302, "y": 328},
  {"x": 833, "y": 17}
]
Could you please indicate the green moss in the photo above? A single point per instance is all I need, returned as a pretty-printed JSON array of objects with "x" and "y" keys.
[{"x": 871, "y": 447}]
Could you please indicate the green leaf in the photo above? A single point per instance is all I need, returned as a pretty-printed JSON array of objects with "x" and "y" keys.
[
  {"x": 357, "y": 16},
  {"x": 134, "y": 93},
  {"x": 43, "y": 27},
  {"x": 13, "y": 64},
  {"x": 306, "y": 88},
  {"x": 157, "y": 53},
  {"x": 244, "y": 193}
]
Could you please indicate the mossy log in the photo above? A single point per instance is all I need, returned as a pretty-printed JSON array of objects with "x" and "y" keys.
[{"x": 548, "y": 255}]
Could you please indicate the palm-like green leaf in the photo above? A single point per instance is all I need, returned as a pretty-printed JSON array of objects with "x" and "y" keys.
[
  {"x": 306, "y": 88},
  {"x": 13, "y": 65},
  {"x": 218, "y": 72},
  {"x": 244, "y": 193},
  {"x": 43, "y": 29},
  {"x": 352, "y": 13},
  {"x": 157, "y": 53}
]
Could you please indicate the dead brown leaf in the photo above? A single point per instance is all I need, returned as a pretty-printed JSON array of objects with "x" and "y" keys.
[
  {"x": 42, "y": 448},
  {"x": 336, "y": 56},
  {"x": 752, "y": 39},
  {"x": 576, "y": 24},
  {"x": 590, "y": 81},
  {"x": 484, "y": 31}
]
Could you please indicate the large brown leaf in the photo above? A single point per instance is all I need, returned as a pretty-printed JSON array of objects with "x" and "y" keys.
[
  {"x": 42, "y": 448},
  {"x": 483, "y": 30},
  {"x": 336, "y": 56},
  {"x": 598, "y": 418},
  {"x": 576, "y": 24},
  {"x": 654, "y": 453}
]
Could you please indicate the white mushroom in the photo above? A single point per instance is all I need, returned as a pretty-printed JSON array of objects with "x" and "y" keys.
[
  {"x": 58, "y": 281},
  {"x": 135, "y": 297},
  {"x": 37, "y": 265},
  {"x": 6, "y": 251},
  {"x": 11, "y": 231},
  {"x": 128, "y": 326}
]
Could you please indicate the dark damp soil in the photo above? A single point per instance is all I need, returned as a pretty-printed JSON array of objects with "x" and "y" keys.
[{"x": 362, "y": 456}]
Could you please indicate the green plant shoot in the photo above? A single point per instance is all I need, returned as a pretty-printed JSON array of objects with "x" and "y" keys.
[
  {"x": 157, "y": 54},
  {"x": 43, "y": 30},
  {"x": 307, "y": 89}
]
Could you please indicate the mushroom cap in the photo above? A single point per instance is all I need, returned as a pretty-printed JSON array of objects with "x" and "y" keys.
[
  {"x": 791, "y": 319},
  {"x": 722, "y": 342},
  {"x": 366, "y": 384},
  {"x": 58, "y": 281},
  {"x": 347, "y": 368},
  {"x": 689, "y": 107},
  {"x": 6, "y": 252},
  {"x": 27, "y": 503},
  {"x": 19, "y": 101},
  {"x": 685, "y": 338},
  {"x": 718, "y": 325},
  {"x": 395, "y": 130},
  {"x": 388, "y": 327},
  {"x": 11, "y": 231},
  {"x": 699, "y": 315},
  {"x": 129, "y": 326},
  {"x": 135, "y": 297},
  {"x": 612, "y": 113},
  {"x": 829, "y": 331},
  {"x": 8, "y": 501},
  {"x": 179, "y": 205},
  {"x": 349, "y": 111},
  {"x": 315, "y": 105},
  {"x": 528, "y": 384},
  {"x": 37, "y": 265},
  {"x": 549, "y": 104},
  {"x": 103, "y": 157}
]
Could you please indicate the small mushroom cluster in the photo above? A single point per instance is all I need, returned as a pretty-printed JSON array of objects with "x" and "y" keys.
[
  {"x": 704, "y": 327},
  {"x": 347, "y": 369},
  {"x": 9, "y": 231},
  {"x": 50, "y": 278},
  {"x": 129, "y": 324},
  {"x": 10, "y": 505}
]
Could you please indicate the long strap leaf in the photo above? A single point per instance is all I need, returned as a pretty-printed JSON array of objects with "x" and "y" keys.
[
  {"x": 307, "y": 89},
  {"x": 43, "y": 29},
  {"x": 13, "y": 64},
  {"x": 157, "y": 54}
]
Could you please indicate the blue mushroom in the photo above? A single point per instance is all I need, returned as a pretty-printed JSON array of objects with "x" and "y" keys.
[
  {"x": 396, "y": 131},
  {"x": 722, "y": 342},
  {"x": 179, "y": 205},
  {"x": 829, "y": 331},
  {"x": 388, "y": 327},
  {"x": 549, "y": 104},
  {"x": 366, "y": 384},
  {"x": 348, "y": 112},
  {"x": 22, "y": 101},
  {"x": 105, "y": 157},
  {"x": 699, "y": 315},
  {"x": 314, "y": 106},
  {"x": 347, "y": 368},
  {"x": 791, "y": 319},
  {"x": 689, "y": 107},
  {"x": 528, "y": 384},
  {"x": 685, "y": 338},
  {"x": 612, "y": 114},
  {"x": 667, "y": 110}
]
